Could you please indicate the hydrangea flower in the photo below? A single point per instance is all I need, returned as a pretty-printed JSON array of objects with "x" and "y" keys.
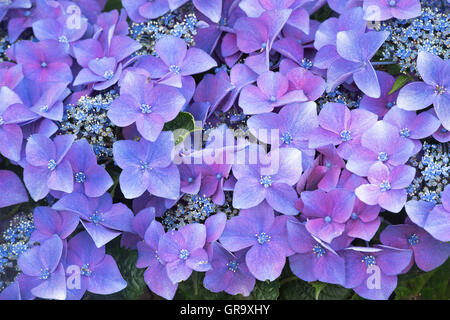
[
  {"x": 380, "y": 106},
  {"x": 434, "y": 219},
  {"x": 386, "y": 187},
  {"x": 183, "y": 251},
  {"x": 148, "y": 166},
  {"x": 99, "y": 272},
  {"x": 313, "y": 259},
  {"x": 342, "y": 127},
  {"x": 271, "y": 91},
  {"x": 43, "y": 269},
  {"x": 356, "y": 49},
  {"x": 228, "y": 272},
  {"x": 327, "y": 213},
  {"x": 434, "y": 90},
  {"x": 102, "y": 219},
  {"x": 44, "y": 61},
  {"x": 12, "y": 112},
  {"x": 49, "y": 222},
  {"x": 265, "y": 235},
  {"x": 428, "y": 253},
  {"x": 147, "y": 106},
  {"x": 155, "y": 275},
  {"x": 360, "y": 263},
  {"x": 379, "y": 10},
  {"x": 256, "y": 182},
  {"x": 102, "y": 66},
  {"x": 47, "y": 165},
  {"x": 381, "y": 143}
]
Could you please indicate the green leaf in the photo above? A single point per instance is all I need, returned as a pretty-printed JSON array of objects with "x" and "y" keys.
[
  {"x": 113, "y": 4},
  {"x": 401, "y": 81},
  {"x": 297, "y": 289},
  {"x": 193, "y": 289},
  {"x": 266, "y": 290},
  {"x": 181, "y": 126},
  {"x": 126, "y": 261}
]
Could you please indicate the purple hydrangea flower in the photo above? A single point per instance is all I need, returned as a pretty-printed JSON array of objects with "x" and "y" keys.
[
  {"x": 428, "y": 253},
  {"x": 90, "y": 178},
  {"x": 265, "y": 235},
  {"x": 147, "y": 106},
  {"x": 372, "y": 272},
  {"x": 175, "y": 61},
  {"x": 381, "y": 143},
  {"x": 434, "y": 90},
  {"x": 12, "y": 112},
  {"x": 271, "y": 91},
  {"x": 229, "y": 272},
  {"x": 44, "y": 60},
  {"x": 386, "y": 186},
  {"x": 183, "y": 251},
  {"x": 155, "y": 275},
  {"x": 43, "y": 269},
  {"x": 380, "y": 10},
  {"x": 47, "y": 166},
  {"x": 256, "y": 182},
  {"x": 49, "y": 222},
  {"x": 342, "y": 127},
  {"x": 434, "y": 219},
  {"x": 411, "y": 125},
  {"x": 99, "y": 272},
  {"x": 313, "y": 260},
  {"x": 148, "y": 166},
  {"x": 102, "y": 66},
  {"x": 356, "y": 49},
  {"x": 141, "y": 10},
  {"x": 327, "y": 213},
  {"x": 102, "y": 219}
]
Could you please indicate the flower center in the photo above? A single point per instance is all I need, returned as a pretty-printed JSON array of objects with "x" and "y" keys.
[
  {"x": 63, "y": 39},
  {"x": 327, "y": 219},
  {"x": 184, "y": 254},
  {"x": 96, "y": 218},
  {"x": 144, "y": 165},
  {"x": 266, "y": 181},
  {"x": 51, "y": 165},
  {"x": 439, "y": 90},
  {"x": 413, "y": 239},
  {"x": 263, "y": 238},
  {"x": 80, "y": 177},
  {"x": 44, "y": 64},
  {"x": 146, "y": 109},
  {"x": 354, "y": 216},
  {"x": 232, "y": 265},
  {"x": 175, "y": 69},
  {"x": 392, "y": 3},
  {"x": 273, "y": 98},
  {"x": 108, "y": 74},
  {"x": 318, "y": 250},
  {"x": 286, "y": 138},
  {"x": 385, "y": 186},
  {"x": 346, "y": 135},
  {"x": 389, "y": 105},
  {"x": 43, "y": 108},
  {"x": 45, "y": 274},
  {"x": 369, "y": 261},
  {"x": 383, "y": 156},
  {"x": 85, "y": 271},
  {"x": 405, "y": 132},
  {"x": 219, "y": 176}
]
